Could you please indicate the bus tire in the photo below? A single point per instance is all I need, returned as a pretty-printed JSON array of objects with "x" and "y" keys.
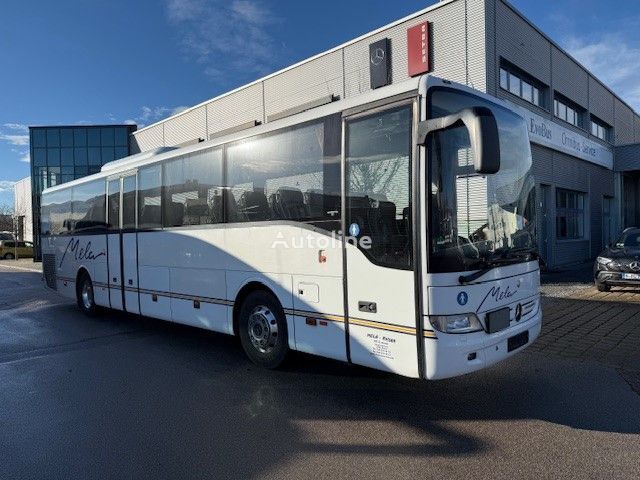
[
  {"x": 262, "y": 327},
  {"x": 85, "y": 296},
  {"x": 9, "y": 256}
]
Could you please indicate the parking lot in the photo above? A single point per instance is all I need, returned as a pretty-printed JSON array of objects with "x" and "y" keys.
[{"x": 121, "y": 396}]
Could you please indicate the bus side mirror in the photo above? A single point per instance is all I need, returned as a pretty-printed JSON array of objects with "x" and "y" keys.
[{"x": 483, "y": 134}]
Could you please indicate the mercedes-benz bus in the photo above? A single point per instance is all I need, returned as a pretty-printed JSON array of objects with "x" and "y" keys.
[{"x": 393, "y": 230}]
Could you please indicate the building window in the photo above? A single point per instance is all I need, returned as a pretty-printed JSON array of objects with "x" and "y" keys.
[
  {"x": 569, "y": 214},
  {"x": 525, "y": 89},
  {"x": 600, "y": 129},
  {"x": 567, "y": 111}
]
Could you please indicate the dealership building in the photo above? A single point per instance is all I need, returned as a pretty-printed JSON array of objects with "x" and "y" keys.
[{"x": 585, "y": 139}]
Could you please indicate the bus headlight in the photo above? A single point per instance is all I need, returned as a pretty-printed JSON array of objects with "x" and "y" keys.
[{"x": 464, "y": 323}]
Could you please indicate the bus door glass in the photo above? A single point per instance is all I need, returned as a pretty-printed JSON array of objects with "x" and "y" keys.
[
  {"x": 113, "y": 243},
  {"x": 129, "y": 243}
]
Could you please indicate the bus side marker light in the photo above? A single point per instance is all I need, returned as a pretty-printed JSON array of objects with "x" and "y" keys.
[
  {"x": 323, "y": 323},
  {"x": 311, "y": 322}
]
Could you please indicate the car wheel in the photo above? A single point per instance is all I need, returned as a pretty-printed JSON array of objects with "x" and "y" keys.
[
  {"x": 602, "y": 287},
  {"x": 263, "y": 330},
  {"x": 9, "y": 256},
  {"x": 85, "y": 297}
]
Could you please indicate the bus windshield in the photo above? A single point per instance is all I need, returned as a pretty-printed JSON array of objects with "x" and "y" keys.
[{"x": 478, "y": 221}]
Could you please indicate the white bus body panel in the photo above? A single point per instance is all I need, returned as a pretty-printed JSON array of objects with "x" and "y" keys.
[
  {"x": 448, "y": 355},
  {"x": 74, "y": 253}
]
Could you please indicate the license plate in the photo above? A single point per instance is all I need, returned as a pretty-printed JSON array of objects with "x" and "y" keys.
[
  {"x": 497, "y": 320},
  {"x": 518, "y": 341},
  {"x": 631, "y": 276}
]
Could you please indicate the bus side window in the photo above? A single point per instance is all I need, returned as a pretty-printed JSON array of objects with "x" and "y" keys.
[
  {"x": 292, "y": 174},
  {"x": 149, "y": 199},
  {"x": 192, "y": 185}
]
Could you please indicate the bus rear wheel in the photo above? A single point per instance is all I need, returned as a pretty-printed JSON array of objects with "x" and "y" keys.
[
  {"x": 9, "y": 256},
  {"x": 85, "y": 297},
  {"x": 263, "y": 330}
]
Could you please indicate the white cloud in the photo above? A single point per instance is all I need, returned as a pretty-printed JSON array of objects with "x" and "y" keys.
[
  {"x": 613, "y": 60},
  {"x": 179, "y": 109},
  {"x": 25, "y": 157},
  {"x": 16, "y": 126},
  {"x": 6, "y": 185},
  {"x": 226, "y": 37},
  {"x": 149, "y": 114},
  {"x": 15, "y": 139}
]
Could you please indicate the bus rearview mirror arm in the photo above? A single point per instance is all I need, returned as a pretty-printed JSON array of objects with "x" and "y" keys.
[{"x": 483, "y": 135}]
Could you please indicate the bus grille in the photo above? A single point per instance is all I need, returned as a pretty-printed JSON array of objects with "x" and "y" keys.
[{"x": 49, "y": 270}]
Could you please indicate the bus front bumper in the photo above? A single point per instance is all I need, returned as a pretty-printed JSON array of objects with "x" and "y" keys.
[{"x": 451, "y": 355}]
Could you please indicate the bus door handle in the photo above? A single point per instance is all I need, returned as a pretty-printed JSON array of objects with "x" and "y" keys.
[{"x": 369, "y": 307}]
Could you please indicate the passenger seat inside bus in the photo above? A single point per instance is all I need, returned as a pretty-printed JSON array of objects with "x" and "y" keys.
[
  {"x": 150, "y": 216},
  {"x": 174, "y": 214},
  {"x": 253, "y": 206},
  {"x": 288, "y": 204},
  {"x": 196, "y": 211}
]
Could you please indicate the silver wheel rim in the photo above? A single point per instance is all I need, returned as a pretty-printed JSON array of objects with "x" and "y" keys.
[
  {"x": 263, "y": 329},
  {"x": 87, "y": 295}
]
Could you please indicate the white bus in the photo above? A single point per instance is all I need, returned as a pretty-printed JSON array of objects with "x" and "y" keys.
[{"x": 394, "y": 230}]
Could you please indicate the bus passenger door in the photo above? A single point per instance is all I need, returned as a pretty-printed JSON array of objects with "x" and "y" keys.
[
  {"x": 122, "y": 243},
  {"x": 113, "y": 243},
  {"x": 380, "y": 282},
  {"x": 129, "y": 244}
]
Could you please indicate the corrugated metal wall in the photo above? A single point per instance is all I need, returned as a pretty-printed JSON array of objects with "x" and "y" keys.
[
  {"x": 627, "y": 157},
  {"x": 624, "y": 122},
  {"x": 569, "y": 78},
  {"x": 601, "y": 101},
  {"x": 187, "y": 127},
  {"x": 563, "y": 171}
]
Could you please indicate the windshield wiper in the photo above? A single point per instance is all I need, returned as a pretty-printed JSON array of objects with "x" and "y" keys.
[
  {"x": 506, "y": 257},
  {"x": 486, "y": 268}
]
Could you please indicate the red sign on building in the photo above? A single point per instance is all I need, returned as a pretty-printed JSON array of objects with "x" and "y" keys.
[{"x": 418, "y": 49}]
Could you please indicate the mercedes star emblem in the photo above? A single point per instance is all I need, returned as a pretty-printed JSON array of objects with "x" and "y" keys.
[{"x": 377, "y": 56}]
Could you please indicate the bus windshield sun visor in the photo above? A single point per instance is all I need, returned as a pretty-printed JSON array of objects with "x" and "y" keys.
[{"x": 483, "y": 134}]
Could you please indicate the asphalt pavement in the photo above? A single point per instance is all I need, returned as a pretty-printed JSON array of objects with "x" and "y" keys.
[{"x": 120, "y": 396}]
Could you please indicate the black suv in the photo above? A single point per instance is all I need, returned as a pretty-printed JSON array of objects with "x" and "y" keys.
[{"x": 619, "y": 263}]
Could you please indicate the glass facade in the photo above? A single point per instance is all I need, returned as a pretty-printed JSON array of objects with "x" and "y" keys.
[{"x": 62, "y": 154}]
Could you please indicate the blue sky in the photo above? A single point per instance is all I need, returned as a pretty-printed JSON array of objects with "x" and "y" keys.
[{"x": 117, "y": 61}]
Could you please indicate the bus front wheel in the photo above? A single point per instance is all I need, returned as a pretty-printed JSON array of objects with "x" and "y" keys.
[
  {"x": 263, "y": 329},
  {"x": 84, "y": 294}
]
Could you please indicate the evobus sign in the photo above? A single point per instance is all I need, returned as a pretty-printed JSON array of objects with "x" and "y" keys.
[{"x": 418, "y": 49}]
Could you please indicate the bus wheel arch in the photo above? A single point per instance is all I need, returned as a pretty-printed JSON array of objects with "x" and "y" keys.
[
  {"x": 261, "y": 325},
  {"x": 85, "y": 293},
  {"x": 241, "y": 296}
]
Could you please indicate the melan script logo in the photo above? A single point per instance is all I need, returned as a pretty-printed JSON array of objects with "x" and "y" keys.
[
  {"x": 497, "y": 293},
  {"x": 80, "y": 253}
]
